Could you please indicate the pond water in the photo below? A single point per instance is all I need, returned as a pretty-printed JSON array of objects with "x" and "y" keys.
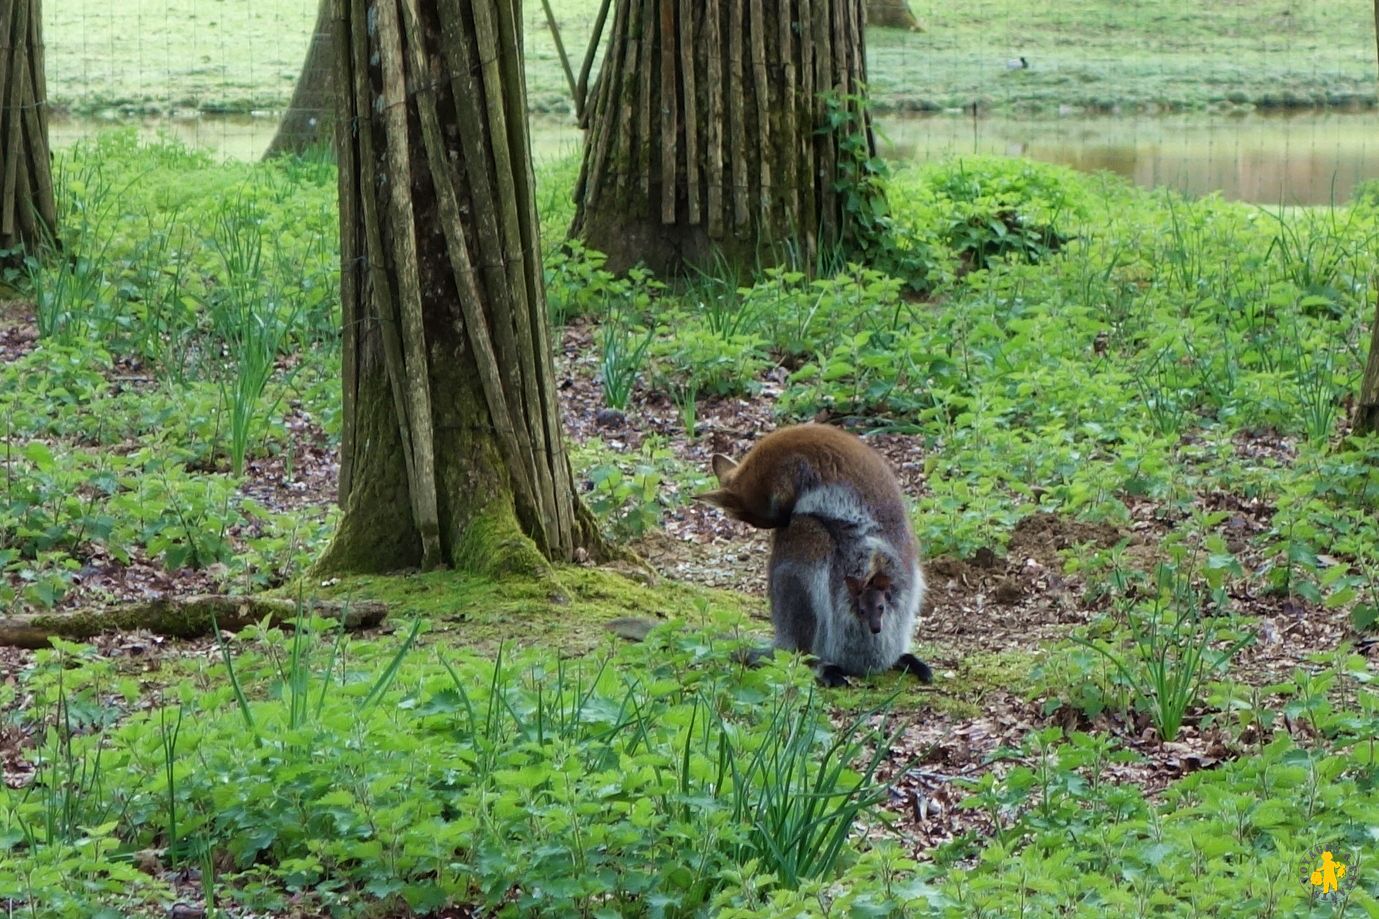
[
  {"x": 1311, "y": 158},
  {"x": 1298, "y": 159}
]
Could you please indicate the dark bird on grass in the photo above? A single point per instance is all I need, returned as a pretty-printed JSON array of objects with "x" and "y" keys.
[{"x": 1018, "y": 63}]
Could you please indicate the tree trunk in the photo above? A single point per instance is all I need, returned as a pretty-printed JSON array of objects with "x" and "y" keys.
[
  {"x": 307, "y": 121},
  {"x": 452, "y": 451},
  {"x": 892, "y": 14},
  {"x": 28, "y": 211},
  {"x": 710, "y": 135},
  {"x": 1367, "y": 409}
]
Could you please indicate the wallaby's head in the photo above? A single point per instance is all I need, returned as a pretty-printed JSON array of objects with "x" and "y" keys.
[
  {"x": 871, "y": 599},
  {"x": 748, "y": 500},
  {"x": 724, "y": 496},
  {"x": 763, "y": 488}
]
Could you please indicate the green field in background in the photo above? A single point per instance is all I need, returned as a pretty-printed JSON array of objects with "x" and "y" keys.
[{"x": 1100, "y": 55}]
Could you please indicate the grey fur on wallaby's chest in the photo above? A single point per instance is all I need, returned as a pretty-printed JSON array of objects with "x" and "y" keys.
[{"x": 811, "y": 608}]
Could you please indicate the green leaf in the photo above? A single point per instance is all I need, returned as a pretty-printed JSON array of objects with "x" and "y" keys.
[{"x": 39, "y": 454}]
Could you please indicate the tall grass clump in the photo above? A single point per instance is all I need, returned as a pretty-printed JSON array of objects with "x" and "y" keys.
[
  {"x": 1170, "y": 649},
  {"x": 72, "y": 293},
  {"x": 255, "y": 313}
]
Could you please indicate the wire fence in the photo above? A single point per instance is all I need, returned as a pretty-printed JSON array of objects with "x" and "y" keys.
[
  {"x": 212, "y": 73},
  {"x": 1262, "y": 100}
]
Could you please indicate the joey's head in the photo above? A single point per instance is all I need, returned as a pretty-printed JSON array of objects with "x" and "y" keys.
[{"x": 871, "y": 599}]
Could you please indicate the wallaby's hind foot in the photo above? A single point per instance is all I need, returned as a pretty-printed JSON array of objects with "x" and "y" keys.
[
  {"x": 908, "y": 663},
  {"x": 831, "y": 675}
]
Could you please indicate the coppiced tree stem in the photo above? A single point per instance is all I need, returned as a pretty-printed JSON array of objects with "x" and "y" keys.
[
  {"x": 1367, "y": 408},
  {"x": 28, "y": 209},
  {"x": 709, "y": 133},
  {"x": 415, "y": 371},
  {"x": 576, "y": 91},
  {"x": 312, "y": 108},
  {"x": 582, "y": 84},
  {"x": 452, "y": 452}
]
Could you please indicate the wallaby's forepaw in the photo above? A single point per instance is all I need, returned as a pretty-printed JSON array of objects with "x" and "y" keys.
[
  {"x": 752, "y": 657},
  {"x": 831, "y": 675},
  {"x": 908, "y": 663}
]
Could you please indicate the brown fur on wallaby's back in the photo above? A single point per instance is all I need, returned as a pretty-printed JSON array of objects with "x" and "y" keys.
[
  {"x": 764, "y": 488},
  {"x": 844, "y": 577}
]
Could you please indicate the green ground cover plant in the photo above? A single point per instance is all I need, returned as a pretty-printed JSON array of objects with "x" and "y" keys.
[
  {"x": 169, "y": 344},
  {"x": 1082, "y": 372},
  {"x": 308, "y": 762},
  {"x": 354, "y": 776},
  {"x": 1072, "y": 347}
]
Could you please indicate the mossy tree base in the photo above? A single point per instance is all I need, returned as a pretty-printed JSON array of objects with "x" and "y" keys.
[
  {"x": 452, "y": 452},
  {"x": 710, "y": 141},
  {"x": 569, "y": 609}
]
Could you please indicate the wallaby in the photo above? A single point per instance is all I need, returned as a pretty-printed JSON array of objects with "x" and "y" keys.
[{"x": 844, "y": 578}]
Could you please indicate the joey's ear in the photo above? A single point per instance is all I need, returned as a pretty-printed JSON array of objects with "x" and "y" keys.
[
  {"x": 880, "y": 582},
  {"x": 855, "y": 585},
  {"x": 723, "y": 465}
]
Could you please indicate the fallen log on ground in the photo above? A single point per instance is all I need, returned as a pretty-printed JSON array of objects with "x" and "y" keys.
[{"x": 181, "y": 617}]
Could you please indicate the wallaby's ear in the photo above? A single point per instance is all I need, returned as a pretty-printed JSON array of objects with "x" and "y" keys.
[
  {"x": 720, "y": 497},
  {"x": 880, "y": 581},
  {"x": 723, "y": 465},
  {"x": 855, "y": 585}
]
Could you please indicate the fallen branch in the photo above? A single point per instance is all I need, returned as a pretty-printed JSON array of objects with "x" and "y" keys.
[{"x": 183, "y": 617}]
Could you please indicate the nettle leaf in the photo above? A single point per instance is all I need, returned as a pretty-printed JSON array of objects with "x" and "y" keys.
[
  {"x": 838, "y": 370},
  {"x": 526, "y": 778},
  {"x": 1271, "y": 815},
  {"x": 45, "y": 593},
  {"x": 258, "y": 839},
  {"x": 445, "y": 702},
  {"x": 425, "y": 898},
  {"x": 339, "y": 798},
  {"x": 38, "y": 453},
  {"x": 384, "y": 887}
]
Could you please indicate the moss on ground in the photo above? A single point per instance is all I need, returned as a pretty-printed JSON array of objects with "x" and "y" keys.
[
  {"x": 960, "y": 691},
  {"x": 570, "y": 611},
  {"x": 567, "y": 610}
]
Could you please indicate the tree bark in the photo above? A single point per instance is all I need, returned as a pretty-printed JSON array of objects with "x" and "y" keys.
[
  {"x": 1367, "y": 409},
  {"x": 741, "y": 160},
  {"x": 452, "y": 450},
  {"x": 28, "y": 210},
  {"x": 892, "y": 14},
  {"x": 307, "y": 121},
  {"x": 181, "y": 617},
  {"x": 576, "y": 94}
]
